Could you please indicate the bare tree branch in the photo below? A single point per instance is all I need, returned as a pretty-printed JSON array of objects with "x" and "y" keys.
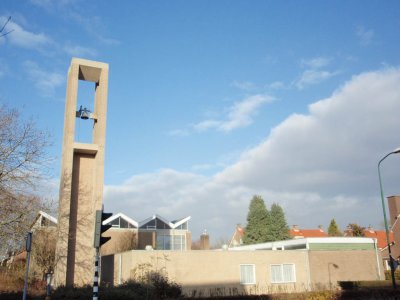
[
  {"x": 22, "y": 161},
  {"x": 4, "y": 26}
]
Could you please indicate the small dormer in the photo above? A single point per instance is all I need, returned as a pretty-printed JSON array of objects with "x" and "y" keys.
[
  {"x": 181, "y": 224},
  {"x": 155, "y": 223},
  {"x": 121, "y": 221},
  {"x": 44, "y": 220}
]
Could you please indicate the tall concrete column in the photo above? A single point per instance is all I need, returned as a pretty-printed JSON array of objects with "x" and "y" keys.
[{"x": 82, "y": 178}]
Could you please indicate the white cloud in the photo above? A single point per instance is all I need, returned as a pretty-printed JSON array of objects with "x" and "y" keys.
[
  {"x": 244, "y": 85},
  {"x": 310, "y": 77},
  {"x": 318, "y": 166},
  {"x": 94, "y": 26},
  {"x": 178, "y": 132},
  {"x": 202, "y": 167},
  {"x": 365, "y": 36},
  {"x": 240, "y": 114},
  {"x": 316, "y": 62},
  {"x": 276, "y": 85},
  {"x": 332, "y": 148},
  {"x": 207, "y": 124},
  {"x": 24, "y": 38},
  {"x": 314, "y": 73},
  {"x": 43, "y": 3},
  {"x": 79, "y": 51},
  {"x": 46, "y": 82},
  {"x": 52, "y": 5}
]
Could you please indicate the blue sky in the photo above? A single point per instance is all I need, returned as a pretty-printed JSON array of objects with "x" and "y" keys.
[{"x": 211, "y": 102}]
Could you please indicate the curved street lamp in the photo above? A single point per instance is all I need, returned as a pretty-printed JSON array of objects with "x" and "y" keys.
[{"x": 391, "y": 261}]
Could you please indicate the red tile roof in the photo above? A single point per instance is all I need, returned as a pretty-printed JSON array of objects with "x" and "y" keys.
[
  {"x": 295, "y": 232},
  {"x": 380, "y": 235},
  {"x": 306, "y": 233}
]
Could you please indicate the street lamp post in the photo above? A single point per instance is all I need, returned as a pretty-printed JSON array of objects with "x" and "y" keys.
[{"x": 391, "y": 262}]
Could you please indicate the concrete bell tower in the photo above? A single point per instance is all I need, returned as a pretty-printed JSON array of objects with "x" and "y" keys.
[{"x": 82, "y": 177}]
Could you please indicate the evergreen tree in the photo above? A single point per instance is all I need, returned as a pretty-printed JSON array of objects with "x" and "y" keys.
[
  {"x": 333, "y": 229},
  {"x": 257, "y": 220},
  {"x": 277, "y": 228}
]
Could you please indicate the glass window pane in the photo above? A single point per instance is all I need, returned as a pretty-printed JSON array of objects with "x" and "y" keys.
[
  {"x": 247, "y": 274},
  {"x": 177, "y": 242},
  {"x": 149, "y": 225},
  {"x": 123, "y": 223},
  {"x": 288, "y": 273},
  {"x": 276, "y": 273},
  {"x": 167, "y": 242},
  {"x": 161, "y": 225},
  {"x": 182, "y": 226},
  {"x": 160, "y": 242},
  {"x": 115, "y": 223}
]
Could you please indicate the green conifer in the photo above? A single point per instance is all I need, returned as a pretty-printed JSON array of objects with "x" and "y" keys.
[
  {"x": 277, "y": 228},
  {"x": 257, "y": 220},
  {"x": 333, "y": 229}
]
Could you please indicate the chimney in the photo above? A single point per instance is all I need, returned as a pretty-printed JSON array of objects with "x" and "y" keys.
[
  {"x": 295, "y": 227},
  {"x": 204, "y": 241},
  {"x": 320, "y": 227}
]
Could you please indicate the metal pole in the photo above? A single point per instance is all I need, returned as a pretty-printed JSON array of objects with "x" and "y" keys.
[
  {"x": 96, "y": 276},
  {"x": 28, "y": 258},
  {"x": 386, "y": 224}
]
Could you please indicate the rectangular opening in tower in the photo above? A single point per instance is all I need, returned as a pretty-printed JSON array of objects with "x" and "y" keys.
[{"x": 85, "y": 102}]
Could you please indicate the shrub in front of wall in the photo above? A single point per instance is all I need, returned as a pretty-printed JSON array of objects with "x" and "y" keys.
[
  {"x": 163, "y": 287},
  {"x": 388, "y": 275},
  {"x": 76, "y": 293},
  {"x": 349, "y": 285}
]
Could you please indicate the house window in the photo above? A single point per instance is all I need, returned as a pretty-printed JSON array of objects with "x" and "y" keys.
[
  {"x": 179, "y": 242},
  {"x": 171, "y": 242},
  {"x": 247, "y": 274},
  {"x": 283, "y": 273},
  {"x": 182, "y": 226},
  {"x": 115, "y": 223},
  {"x": 163, "y": 242}
]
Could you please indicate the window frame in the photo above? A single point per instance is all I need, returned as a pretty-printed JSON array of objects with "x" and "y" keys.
[
  {"x": 254, "y": 274},
  {"x": 283, "y": 274}
]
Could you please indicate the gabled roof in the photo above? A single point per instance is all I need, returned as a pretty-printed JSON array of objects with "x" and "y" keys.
[
  {"x": 237, "y": 238},
  {"x": 121, "y": 215},
  {"x": 380, "y": 235},
  {"x": 307, "y": 233},
  {"x": 177, "y": 223},
  {"x": 172, "y": 224},
  {"x": 42, "y": 214},
  {"x": 47, "y": 216}
]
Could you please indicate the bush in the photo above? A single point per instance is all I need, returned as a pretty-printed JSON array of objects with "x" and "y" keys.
[
  {"x": 163, "y": 287},
  {"x": 156, "y": 286},
  {"x": 388, "y": 275},
  {"x": 349, "y": 285}
]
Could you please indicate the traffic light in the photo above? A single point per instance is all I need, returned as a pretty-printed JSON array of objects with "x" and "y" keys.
[{"x": 100, "y": 228}]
